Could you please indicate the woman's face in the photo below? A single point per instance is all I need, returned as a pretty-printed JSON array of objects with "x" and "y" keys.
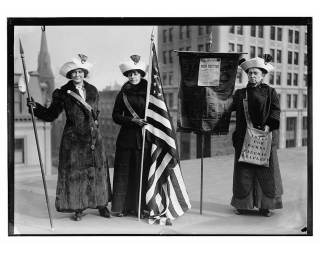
[
  {"x": 255, "y": 75},
  {"x": 77, "y": 76},
  {"x": 134, "y": 77}
]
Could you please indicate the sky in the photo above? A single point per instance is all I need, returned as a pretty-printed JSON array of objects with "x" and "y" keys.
[{"x": 106, "y": 47}]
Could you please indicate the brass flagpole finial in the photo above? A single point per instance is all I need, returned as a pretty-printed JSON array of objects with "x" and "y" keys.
[{"x": 21, "y": 48}]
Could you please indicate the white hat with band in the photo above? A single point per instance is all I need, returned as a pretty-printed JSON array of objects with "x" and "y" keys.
[{"x": 75, "y": 64}]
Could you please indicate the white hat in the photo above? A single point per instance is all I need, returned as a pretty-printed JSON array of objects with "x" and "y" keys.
[
  {"x": 258, "y": 63},
  {"x": 135, "y": 63},
  {"x": 75, "y": 64}
]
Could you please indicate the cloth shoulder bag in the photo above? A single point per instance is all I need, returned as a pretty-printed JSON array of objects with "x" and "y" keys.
[{"x": 257, "y": 143}]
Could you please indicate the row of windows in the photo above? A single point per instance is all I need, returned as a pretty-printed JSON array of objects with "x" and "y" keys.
[
  {"x": 169, "y": 77},
  {"x": 272, "y": 75},
  {"x": 168, "y": 59},
  {"x": 292, "y": 101},
  {"x": 291, "y": 128},
  {"x": 275, "y": 33}
]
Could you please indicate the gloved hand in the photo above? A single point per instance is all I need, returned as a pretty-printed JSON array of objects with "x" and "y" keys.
[
  {"x": 31, "y": 102},
  {"x": 266, "y": 128},
  {"x": 139, "y": 122}
]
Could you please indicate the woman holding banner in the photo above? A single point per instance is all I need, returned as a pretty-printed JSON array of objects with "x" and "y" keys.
[
  {"x": 83, "y": 173},
  {"x": 128, "y": 111},
  {"x": 255, "y": 185}
]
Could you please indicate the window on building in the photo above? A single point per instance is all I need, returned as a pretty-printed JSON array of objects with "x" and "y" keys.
[
  {"x": 304, "y": 131},
  {"x": 288, "y": 101},
  {"x": 260, "y": 31},
  {"x": 239, "y": 76},
  {"x": 17, "y": 102},
  {"x": 271, "y": 77},
  {"x": 291, "y": 132},
  {"x": 188, "y": 31},
  {"x": 305, "y": 101},
  {"x": 181, "y": 32},
  {"x": 207, "y": 47},
  {"x": 279, "y": 34},
  {"x": 208, "y": 29},
  {"x": 170, "y": 56},
  {"x": 200, "y": 30},
  {"x": 239, "y": 48},
  {"x": 295, "y": 79},
  {"x": 296, "y": 37},
  {"x": 290, "y": 36},
  {"x": 296, "y": 58},
  {"x": 164, "y": 57},
  {"x": 278, "y": 56},
  {"x": 289, "y": 78},
  {"x": 170, "y": 34},
  {"x": 19, "y": 151},
  {"x": 260, "y": 52},
  {"x": 289, "y": 57},
  {"x": 171, "y": 78},
  {"x": 252, "y": 52},
  {"x": 170, "y": 100},
  {"x": 253, "y": 31},
  {"x": 272, "y": 54},
  {"x": 231, "y": 28},
  {"x": 164, "y": 79},
  {"x": 305, "y": 80},
  {"x": 278, "y": 78},
  {"x": 231, "y": 47},
  {"x": 273, "y": 33},
  {"x": 305, "y": 60},
  {"x": 295, "y": 101},
  {"x": 240, "y": 29},
  {"x": 164, "y": 36},
  {"x": 200, "y": 47}
]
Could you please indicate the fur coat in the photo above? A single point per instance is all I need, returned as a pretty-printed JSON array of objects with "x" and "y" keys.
[{"x": 83, "y": 173}]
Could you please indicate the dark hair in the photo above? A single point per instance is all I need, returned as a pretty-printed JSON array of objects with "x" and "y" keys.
[
  {"x": 86, "y": 72},
  {"x": 133, "y": 70}
]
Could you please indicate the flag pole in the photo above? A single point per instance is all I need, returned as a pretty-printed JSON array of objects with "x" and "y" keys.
[
  {"x": 145, "y": 117},
  {"x": 36, "y": 135},
  {"x": 202, "y": 141}
]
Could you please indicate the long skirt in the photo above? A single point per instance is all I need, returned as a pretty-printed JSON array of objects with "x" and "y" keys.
[
  {"x": 256, "y": 198},
  {"x": 126, "y": 179}
]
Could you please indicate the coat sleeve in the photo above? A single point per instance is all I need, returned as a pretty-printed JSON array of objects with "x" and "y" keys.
[
  {"x": 118, "y": 111},
  {"x": 273, "y": 120},
  {"x": 235, "y": 97},
  {"x": 53, "y": 111}
]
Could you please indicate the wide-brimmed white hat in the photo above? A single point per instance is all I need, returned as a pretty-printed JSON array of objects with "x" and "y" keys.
[
  {"x": 134, "y": 63},
  {"x": 262, "y": 63},
  {"x": 75, "y": 64}
]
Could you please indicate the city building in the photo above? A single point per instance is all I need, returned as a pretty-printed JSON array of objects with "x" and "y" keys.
[{"x": 287, "y": 45}]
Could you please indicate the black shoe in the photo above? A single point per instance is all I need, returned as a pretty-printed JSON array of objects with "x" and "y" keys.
[
  {"x": 105, "y": 212},
  {"x": 168, "y": 222},
  {"x": 265, "y": 212},
  {"x": 78, "y": 216},
  {"x": 237, "y": 212}
]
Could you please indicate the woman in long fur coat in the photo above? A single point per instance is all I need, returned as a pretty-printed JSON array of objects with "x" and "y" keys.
[{"x": 83, "y": 173}]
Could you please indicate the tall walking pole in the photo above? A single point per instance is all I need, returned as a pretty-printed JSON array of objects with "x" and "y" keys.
[
  {"x": 202, "y": 141},
  {"x": 36, "y": 135},
  {"x": 145, "y": 117}
]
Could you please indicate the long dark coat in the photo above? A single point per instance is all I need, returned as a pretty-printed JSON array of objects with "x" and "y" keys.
[
  {"x": 126, "y": 178},
  {"x": 83, "y": 173},
  {"x": 244, "y": 174}
]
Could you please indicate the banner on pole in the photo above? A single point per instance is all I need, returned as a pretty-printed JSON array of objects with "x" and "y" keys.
[{"x": 205, "y": 93}]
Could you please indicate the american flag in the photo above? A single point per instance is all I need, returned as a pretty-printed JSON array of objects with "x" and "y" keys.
[{"x": 166, "y": 195}]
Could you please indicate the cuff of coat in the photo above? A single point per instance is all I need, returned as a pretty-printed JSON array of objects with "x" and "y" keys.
[{"x": 273, "y": 124}]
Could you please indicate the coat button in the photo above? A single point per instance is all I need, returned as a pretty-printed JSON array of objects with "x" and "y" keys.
[{"x": 92, "y": 147}]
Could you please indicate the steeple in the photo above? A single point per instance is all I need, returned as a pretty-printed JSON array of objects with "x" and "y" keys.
[{"x": 44, "y": 66}]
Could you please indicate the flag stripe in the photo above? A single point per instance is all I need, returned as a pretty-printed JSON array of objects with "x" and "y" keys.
[
  {"x": 160, "y": 134},
  {"x": 159, "y": 103}
]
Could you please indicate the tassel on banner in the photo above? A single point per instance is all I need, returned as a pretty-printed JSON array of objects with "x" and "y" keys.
[{"x": 22, "y": 83}]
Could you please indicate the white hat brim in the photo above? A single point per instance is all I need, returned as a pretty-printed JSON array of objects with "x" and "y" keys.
[
  {"x": 256, "y": 63},
  {"x": 130, "y": 65},
  {"x": 74, "y": 64}
]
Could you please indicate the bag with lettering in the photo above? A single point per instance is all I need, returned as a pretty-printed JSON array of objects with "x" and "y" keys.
[{"x": 257, "y": 143}]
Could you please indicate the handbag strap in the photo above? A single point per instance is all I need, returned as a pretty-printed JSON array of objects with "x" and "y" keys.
[
  {"x": 246, "y": 110},
  {"x": 126, "y": 102}
]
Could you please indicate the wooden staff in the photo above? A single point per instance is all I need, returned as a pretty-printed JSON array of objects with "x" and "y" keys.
[
  {"x": 145, "y": 117},
  {"x": 36, "y": 135}
]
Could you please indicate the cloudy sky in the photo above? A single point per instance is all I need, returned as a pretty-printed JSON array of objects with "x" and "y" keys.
[{"x": 106, "y": 47}]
